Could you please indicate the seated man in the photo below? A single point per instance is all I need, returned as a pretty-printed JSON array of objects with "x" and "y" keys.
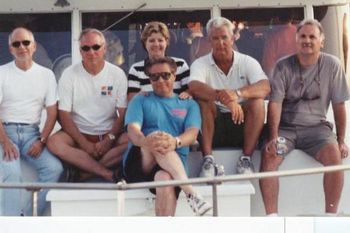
[
  {"x": 161, "y": 127},
  {"x": 303, "y": 85},
  {"x": 230, "y": 88},
  {"x": 26, "y": 88},
  {"x": 92, "y": 102}
]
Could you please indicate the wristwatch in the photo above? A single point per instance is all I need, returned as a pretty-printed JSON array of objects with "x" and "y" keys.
[
  {"x": 42, "y": 140},
  {"x": 238, "y": 93},
  {"x": 111, "y": 136},
  {"x": 178, "y": 143}
]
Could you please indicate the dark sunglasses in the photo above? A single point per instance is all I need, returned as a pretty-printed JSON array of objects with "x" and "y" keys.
[
  {"x": 94, "y": 47},
  {"x": 164, "y": 75},
  {"x": 25, "y": 43}
]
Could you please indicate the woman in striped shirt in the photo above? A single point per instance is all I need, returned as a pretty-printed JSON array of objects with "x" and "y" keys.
[{"x": 155, "y": 39}]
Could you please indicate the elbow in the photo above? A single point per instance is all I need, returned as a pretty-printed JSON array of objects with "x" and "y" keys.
[
  {"x": 192, "y": 88},
  {"x": 266, "y": 88}
]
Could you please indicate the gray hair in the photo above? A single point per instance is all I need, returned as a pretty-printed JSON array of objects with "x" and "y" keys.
[
  {"x": 31, "y": 35},
  {"x": 312, "y": 22},
  {"x": 92, "y": 30},
  {"x": 217, "y": 22}
]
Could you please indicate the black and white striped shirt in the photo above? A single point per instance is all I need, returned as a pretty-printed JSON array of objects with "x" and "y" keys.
[{"x": 139, "y": 81}]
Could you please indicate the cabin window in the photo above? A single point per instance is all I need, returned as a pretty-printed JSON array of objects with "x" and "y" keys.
[
  {"x": 52, "y": 33},
  {"x": 125, "y": 46},
  {"x": 266, "y": 34}
]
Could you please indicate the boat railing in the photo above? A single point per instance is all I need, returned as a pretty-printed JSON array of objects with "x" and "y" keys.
[{"x": 123, "y": 186}]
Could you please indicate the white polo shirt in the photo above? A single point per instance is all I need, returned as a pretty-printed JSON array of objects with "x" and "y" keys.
[
  {"x": 244, "y": 71},
  {"x": 92, "y": 99}
]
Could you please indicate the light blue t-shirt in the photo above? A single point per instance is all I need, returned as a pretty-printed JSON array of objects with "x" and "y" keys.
[{"x": 171, "y": 115}]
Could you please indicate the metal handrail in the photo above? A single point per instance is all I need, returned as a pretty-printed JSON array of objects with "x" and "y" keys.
[{"x": 213, "y": 181}]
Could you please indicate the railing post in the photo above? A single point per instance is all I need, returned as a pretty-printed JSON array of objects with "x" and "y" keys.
[
  {"x": 35, "y": 200},
  {"x": 215, "y": 199}
]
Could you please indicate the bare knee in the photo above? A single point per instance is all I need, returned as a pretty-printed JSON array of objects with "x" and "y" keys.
[
  {"x": 329, "y": 155},
  {"x": 56, "y": 143},
  {"x": 269, "y": 161},
  {"x": 164, "y": 176},
  {"x": 255, "y": 106}
]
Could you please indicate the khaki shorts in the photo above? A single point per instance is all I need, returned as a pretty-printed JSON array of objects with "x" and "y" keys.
[{"x": 310, "y": 139}]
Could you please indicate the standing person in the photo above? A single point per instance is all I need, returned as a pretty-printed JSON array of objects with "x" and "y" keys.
[
  {"x": 26, "y": 88},
  {"x": 155, "y": 39},
  {"x": 303, "y": 85},
  {"x": 230, "y": 88},
  {"x": 91, "y": 112},
  {"x": 160, "y": 128}
]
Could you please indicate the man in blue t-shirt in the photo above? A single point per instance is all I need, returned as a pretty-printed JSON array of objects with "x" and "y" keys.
[{"x": 160, "y": 127}]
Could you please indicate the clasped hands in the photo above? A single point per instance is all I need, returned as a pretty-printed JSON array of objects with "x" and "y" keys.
[
  {"x": 229, "y": 98},
  {"x": 159, "y": 142},
  {"x": 98, "y": 149}
]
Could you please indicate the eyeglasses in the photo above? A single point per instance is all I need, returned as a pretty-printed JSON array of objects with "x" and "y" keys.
[
  {"x": 164, "y": 75},
  {"x": 94, "y": 47},
  {"x": 311, "y": 91},
  {"x": 17, "y": 44}
]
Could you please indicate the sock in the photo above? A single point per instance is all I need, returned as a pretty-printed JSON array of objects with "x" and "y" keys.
[
  {"x": 272, "y": 215},
  {"x": 211, "y": 157},
  {"x": 245, "y": 157},
  {"x": 331, "y": 214}
]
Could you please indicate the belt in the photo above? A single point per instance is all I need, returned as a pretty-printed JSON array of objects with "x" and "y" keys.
[
  {"x": 94, "y": 138},
  {"x": 16, "y": 123}
]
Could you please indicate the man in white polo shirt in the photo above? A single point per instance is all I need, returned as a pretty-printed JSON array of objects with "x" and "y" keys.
[
  {"x": 230, "y": 88},
  {"x": 26, "y": 88},
  {"x": 92, "y": 102}
]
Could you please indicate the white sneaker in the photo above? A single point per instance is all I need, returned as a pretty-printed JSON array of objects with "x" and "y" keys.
[
  {"x": 245, "y": 165},
  {"x": 198, "y": 204},
  {"x": 208, "y": 167}
]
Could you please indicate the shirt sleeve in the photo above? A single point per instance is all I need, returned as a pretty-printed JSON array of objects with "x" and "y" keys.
[
  {"x": 183, "y": 73},
  {"x": 51, "y": 95},
  {"x": 134, "y": 112},
  {"x": 277, "y": 85},
  {"x": 122, "y": 90},
  {"x": 254, "y": 72},
  {"x": 198, "y": 71},
  {"x": 65, "y": 92},
  {"x": 134, "y": 84},
  {"x": 340, "y": 89},
  {"x": 193, "y": 118}
]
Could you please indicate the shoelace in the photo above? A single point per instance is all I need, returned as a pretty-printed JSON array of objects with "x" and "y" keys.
[{"x": 245, "y": 163}]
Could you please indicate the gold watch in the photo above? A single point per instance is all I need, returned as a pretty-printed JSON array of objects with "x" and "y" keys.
[{"x": 111, "y": 136}]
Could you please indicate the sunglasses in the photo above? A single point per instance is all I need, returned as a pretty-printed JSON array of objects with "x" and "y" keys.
[
  {"x": 156, "y": 76},
  {"x": 94, "y": 47},
  {"x": 17, "y": 44}
]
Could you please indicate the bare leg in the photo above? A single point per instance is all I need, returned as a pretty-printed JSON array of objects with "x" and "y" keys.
[
  {"x": 63, "y": 146},
  {"x": 208, "y": 113},
  {"x": 171, "y": 163},
  {"x": 165, "y": 196},
  {"x": 254, "y": 112},
  {"x": 270, "y": 186},
  {"x": 332, "y": 182}
]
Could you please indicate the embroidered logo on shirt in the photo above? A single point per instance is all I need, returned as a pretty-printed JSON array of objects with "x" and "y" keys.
[
  {"x": 106, "y": 90},
  {"x": 181, "y": 113}
]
